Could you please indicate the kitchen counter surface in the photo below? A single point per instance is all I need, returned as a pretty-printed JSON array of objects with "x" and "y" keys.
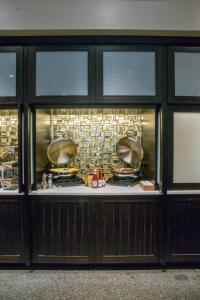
[
  {"x": 182, "y": 192},
  {"x": 9, "y": 192},
  {"x": 107, "y": 190}
]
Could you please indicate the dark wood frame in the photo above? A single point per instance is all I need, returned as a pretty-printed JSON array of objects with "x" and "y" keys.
[
  {"x": 158, "y": 98},
  {"x": 95, "y": 204},
  {"x": 19, "y": 75},
  {"x": 34, "y": 107},
  {"x": 22, "y": 257},
  {"x": 185, "y": 204},
  {"x": 29, "y": 103},
  {"x": 171, "y": 76},
  {"x": 171, "y": 184},
  {"x": 69, "y": 99}
]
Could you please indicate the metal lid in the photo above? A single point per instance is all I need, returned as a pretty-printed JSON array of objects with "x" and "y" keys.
[
  {"x": 61, "y": 151},
  {"x": 129, "y": 150}
]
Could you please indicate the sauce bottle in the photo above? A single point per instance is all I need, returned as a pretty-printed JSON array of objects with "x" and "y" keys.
[
  {"x": 103, "y": 179},
  {"x": 90, "y": 178},
  {"x": 100, "y": 180},
  {"x": 95, "y": 180}
]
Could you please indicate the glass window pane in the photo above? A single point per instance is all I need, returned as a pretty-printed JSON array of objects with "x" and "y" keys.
[
  {"x": 8, "y": 151},
  {"x": 7, "y": 74},
  {"x": 62, "y": 73},
  {"x": 187, "y": 74},
  {"x": 186, "y": 147},
  {"x": 129, "y": 73}
]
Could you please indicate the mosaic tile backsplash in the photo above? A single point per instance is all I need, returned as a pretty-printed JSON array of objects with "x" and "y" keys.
[
  {"x": 8, "y": 148},
  {"x": 96, "y": 133},
  {"x": 9, "y": 135}
]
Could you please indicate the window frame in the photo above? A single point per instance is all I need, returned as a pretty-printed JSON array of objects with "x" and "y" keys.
[
  {"x": 60, "y": 99},
  {"x": 143, "y": 99},
  {"x": 18, "y": 98},
  {"x": 170, "y": 149},
  {"x": 172, "y": 98}
]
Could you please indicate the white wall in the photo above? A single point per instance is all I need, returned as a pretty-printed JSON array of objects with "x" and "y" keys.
[{"x": 100, "y": 14}]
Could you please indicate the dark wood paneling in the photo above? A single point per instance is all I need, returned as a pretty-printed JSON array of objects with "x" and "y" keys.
[
  {"x": 60, "y": 232},
  {"x": 11, "y": 232},
  {"x": 183, "y": 230},
  {"x": 129, "y": 232}
]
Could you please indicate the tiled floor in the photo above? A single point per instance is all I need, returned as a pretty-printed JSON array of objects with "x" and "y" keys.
[{"x": 100, "y": 284}]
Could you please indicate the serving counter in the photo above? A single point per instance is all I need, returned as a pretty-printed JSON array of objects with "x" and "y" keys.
[{"x": 108, "y": 190}]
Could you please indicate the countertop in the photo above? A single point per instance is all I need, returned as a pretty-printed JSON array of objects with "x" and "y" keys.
[
  {"x": 9, "y": 192},
  {"x": 84, "y": 190},
  {"x": 182, "y": 192}
]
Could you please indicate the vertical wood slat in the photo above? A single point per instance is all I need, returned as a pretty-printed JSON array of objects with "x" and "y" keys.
[
  {"x": 11, "y": 231},
  {"x": 129, "y": 230},
  {"x": 60, "y": 229},
  {"x": 183, "y": 230}
]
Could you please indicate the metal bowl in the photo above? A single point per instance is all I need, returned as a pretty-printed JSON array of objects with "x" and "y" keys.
[
  {"x": 64, "y": 171},
  {"x": 126, "y": 171},
  {"x": 129, "y": 150},
  {"x": 61, "y": 151}
]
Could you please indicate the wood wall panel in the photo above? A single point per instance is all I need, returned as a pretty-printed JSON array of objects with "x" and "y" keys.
[
  {"x": 129, "y": 232},
  {"x": 183, "y": 231},
  {"x": 11, "y": 231},
  {"x": 60, "y": 232}
]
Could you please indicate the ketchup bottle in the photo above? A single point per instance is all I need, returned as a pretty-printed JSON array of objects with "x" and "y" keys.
[
  {"x": 100, "y": 181},
  {"x": 95, "y": 180}
]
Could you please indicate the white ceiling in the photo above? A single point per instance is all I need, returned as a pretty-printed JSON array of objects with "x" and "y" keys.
[{"x": 100, "y": 14}]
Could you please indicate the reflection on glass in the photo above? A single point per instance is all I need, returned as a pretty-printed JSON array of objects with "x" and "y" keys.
[
  {"x": 62, "y": 73},
  {"x": 187, "y": 74},
  {"x": 129, "y": 73},
  {"x": 7, "y": 74},
  {"x": 186, "y": 147},
  {"x": 8, "y": 150}
]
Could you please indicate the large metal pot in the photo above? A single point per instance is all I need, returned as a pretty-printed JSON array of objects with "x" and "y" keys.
[
  {"x": 61, "y": 151},
  {"x": 130, "y": 151}
]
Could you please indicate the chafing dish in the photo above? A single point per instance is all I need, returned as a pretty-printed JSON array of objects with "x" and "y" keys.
[
  {"x": 61, "y": 151},
  {"x": 130, "y": 151}
]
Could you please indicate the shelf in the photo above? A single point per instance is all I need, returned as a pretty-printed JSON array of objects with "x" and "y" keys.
[
  {"x": 9, "y": 192},
  {"x": 182, "y": 192},
  {"x": 107, "y": 190}
]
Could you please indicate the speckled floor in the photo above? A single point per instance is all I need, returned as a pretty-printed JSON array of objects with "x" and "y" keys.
[{"x": 100, "y": 285}]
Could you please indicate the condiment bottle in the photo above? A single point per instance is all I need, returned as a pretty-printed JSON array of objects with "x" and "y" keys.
[
  {"x": 90, "y": 178},
  {"x": 95, "y": 180},
  {"x": 100, "y": 180},
  {"x": 44, "y": 181},
  {"x": 50, "y": 181},
  {"x": 103, "y": 179}
]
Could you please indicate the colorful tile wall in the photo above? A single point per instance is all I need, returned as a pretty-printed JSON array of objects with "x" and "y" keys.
[
  {"x": 8, "y": 135},
  {"x": 8, "y": 147},
  {"x": 96, "y": 132}
]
